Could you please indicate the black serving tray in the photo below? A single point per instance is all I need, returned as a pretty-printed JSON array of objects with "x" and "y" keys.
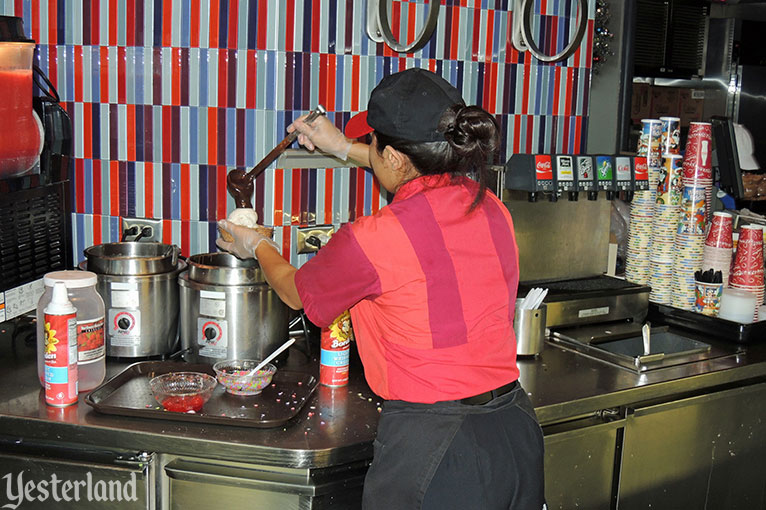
[
  {"x": 128, "y": 394},
  {"x": 721, "y": 329}
]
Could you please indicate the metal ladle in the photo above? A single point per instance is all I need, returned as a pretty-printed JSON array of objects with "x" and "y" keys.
[{"x": 240, "y": 183}]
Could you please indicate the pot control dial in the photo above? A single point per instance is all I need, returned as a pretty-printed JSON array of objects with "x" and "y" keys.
[
  {"x": 124, "y": 323},
  {"x": 210, "y": 333},
  {"x": 212, "y": 337}
]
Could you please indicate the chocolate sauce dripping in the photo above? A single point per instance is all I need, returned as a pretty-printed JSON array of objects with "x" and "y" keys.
[{"x": 240, "y": 184}]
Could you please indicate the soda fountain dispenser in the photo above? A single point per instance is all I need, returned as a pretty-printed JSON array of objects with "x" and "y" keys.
[
  {"x": 566, "y": 179},
  {"x": 641, "y": 173},
  {"x": 606, "y": 175},
  {"x": 624, "y": 177},
  {"x": 586, "y": 177},
  {"x": 532, "y": 173}
]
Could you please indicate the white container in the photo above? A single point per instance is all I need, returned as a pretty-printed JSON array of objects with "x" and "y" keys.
[
  {"x": 91, "y": 354},
  {"x": 61, "y": 349},
  {"x": 737, "y": 305}
]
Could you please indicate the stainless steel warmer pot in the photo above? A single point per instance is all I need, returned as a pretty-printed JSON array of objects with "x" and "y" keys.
[
  {"x": 228, "y": 310},
  {"x": 138, "y": 282}
]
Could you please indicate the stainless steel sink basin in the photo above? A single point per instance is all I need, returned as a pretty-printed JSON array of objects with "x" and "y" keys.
[{"x": 622, "y": 344}]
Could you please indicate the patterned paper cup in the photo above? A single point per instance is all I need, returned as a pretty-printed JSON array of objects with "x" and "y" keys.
[
  {"x": 671, "y": 135},
  {"x": 650, "y": 141},
  {"x": 670, "y": 187},
  {"x": 719, "y": 235},
  {"x": 707, "y": 298},
  {"x": 699, "y": 148},
  {"x": 691, "y": 218},
  {"x": 748, "y": 262}
]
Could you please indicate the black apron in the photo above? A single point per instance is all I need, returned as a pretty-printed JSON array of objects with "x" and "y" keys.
[{"x": 413, "y": 438}]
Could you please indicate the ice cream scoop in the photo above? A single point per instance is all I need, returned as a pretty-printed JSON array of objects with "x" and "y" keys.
[{"x": 246, "y": 217}]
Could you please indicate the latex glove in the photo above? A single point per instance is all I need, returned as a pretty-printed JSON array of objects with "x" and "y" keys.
[
  {"x": 245, "y": 242},
  {"x": 323, "y": 135}
]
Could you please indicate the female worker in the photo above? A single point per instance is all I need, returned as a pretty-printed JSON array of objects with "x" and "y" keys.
[{"x": 430, "y": 281}]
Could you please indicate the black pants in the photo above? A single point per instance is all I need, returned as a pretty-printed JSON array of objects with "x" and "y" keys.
[{"x": 450, "y": 455}]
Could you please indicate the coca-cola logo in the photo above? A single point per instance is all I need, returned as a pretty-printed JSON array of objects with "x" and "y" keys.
[{"x": 543, "y": 167}]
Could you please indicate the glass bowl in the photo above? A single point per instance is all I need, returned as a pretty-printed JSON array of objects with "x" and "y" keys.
[
  {"x": 233, "y": 375},
  {"x": 183, "y": 392}
]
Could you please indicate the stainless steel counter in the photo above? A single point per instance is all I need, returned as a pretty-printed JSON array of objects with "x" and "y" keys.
[{"x": 337, "y": 426}]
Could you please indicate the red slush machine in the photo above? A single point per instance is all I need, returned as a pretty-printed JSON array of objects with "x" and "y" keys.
[{"x": 35, "y": 175}]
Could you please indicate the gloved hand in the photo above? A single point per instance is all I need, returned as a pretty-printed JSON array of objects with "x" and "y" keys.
[
  {"x": 245, "y": 242},
  {"x": 321, "y": 134}
]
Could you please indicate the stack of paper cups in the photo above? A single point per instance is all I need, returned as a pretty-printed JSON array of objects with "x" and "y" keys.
[
  {"x": 747, "y": 270},
  {"x": 689, "y": 246},
  {"x": 717, "y": 253},
  {"x": 664, "y": 227},
  {"x": 638, "y": 249}
]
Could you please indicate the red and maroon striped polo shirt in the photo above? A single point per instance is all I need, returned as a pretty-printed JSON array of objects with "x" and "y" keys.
[{"x": 431, "y": 291}]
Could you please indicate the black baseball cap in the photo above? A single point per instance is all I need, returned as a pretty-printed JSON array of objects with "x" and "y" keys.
[{"x": 406, "y": 105}]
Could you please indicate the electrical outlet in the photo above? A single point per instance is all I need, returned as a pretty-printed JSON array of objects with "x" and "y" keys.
[
  {"x": 309, "y": 238},
  {"x": 133, "y": 227}
]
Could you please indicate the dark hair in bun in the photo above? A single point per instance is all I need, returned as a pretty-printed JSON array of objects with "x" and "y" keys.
[{"x": 472, "y": 138}]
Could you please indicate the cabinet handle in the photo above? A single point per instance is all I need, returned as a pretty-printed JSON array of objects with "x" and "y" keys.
[{"x": 239, "y": 477}]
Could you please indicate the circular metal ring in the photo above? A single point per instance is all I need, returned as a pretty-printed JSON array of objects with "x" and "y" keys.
[
  {"x": 569, "y": 50},
  {"x": 422, "y": 38}
]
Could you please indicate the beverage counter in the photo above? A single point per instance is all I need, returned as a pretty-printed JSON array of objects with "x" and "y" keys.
[{"x": 685, "y": 426}]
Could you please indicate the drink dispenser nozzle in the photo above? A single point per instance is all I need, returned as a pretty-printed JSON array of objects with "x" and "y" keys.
[
  {"x": 532, "y": 173},
  {"x": 606, "y": 176},
  {"x": 641, "y": 173},
  {"x": 586, "y": 177}
]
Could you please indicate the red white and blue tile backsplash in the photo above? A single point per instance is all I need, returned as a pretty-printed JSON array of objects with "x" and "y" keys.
[{"x": 167, "y": 96}]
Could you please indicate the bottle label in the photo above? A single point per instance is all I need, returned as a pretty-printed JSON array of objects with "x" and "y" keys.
[
  {"x": 334, "y": 351},
  {"x": 90, "y": 340},
  {"x": 61, "y": 359}
]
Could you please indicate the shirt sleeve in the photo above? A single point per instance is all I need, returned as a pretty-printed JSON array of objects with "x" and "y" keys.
[{"x": 336, "y": 278}]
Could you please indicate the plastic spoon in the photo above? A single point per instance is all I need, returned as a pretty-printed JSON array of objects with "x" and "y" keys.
[
  {"x": 530, "y": 298},
  {"x": 539, "y": 299},
  {"x": 271, "y": 357}
]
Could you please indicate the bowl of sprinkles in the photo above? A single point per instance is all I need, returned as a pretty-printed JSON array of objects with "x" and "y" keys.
[
  {"x": 238, "y": 378},
  {"x": 183, "y": 392}
]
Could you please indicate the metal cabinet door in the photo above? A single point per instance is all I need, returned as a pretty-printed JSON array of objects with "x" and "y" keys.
[
  {"x": 580, "y": 463},
  {"x": 203, "y": 484},
  {"x": 707, "y": 451},
  {"x": 51, "y": 478}
]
